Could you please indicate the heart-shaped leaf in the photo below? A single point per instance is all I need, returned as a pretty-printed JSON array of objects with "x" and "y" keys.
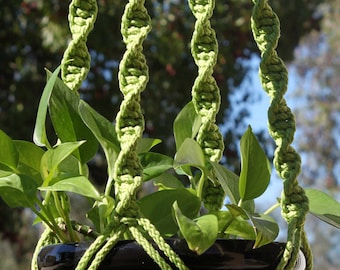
[
  {"x": 266, "y": 229},
  {"x": 105, "y": 133},
  {"x": 79, "y": 185},
  {"x": 154, "y": 164},
  {"x": 186, "y": 124},
  {"x": 157, "y": 207},
  {"x": 255, "y": 167},
  {"x": 199, "y": 233},
  {"x": 190, "y": 154},
  {"x": 53, "y": 157},
  {"x": 324, "y": 207}
]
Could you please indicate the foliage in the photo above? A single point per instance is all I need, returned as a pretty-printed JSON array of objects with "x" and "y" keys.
[{"x": 41, "y": 178}]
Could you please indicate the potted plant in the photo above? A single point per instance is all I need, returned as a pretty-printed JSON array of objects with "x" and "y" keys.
[{"x": 200, "y": 209}]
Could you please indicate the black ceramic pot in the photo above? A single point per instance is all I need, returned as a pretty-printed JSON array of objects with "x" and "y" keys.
[{"x": 224, "y": 254}]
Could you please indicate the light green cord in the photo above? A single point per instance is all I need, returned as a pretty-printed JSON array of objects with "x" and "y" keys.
[
  {"x": 274, "y": 79},
  {"x": 76, "y": 60},
  {"x": 206, "y": 95},
  {"x": 46, "y": 238},
  {"x": 133, "y": 77}
]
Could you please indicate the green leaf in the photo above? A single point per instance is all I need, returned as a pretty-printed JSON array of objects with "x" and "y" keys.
[
  {"x": 186, "y": 124},
  {"x": 9, "y": 156},
  {"x": 154, "y": 164},
  {"x": 255, "y": 167},
  {"x": 146, "y": 144},
  {"x": 158, "y": 208},
  {"x": 105, "y": 133},
  {"x": 18, "y": 190},
  {"x": 236, "y": 226},
  {"x": 101, "y": 210},
  {"x": 39, "y": 134},
  {"x": 324, "y": 207},
  {"x": 228, "y": 180},
  {"x": 29, "y": 160},
  {"x": 199, "y": 233},
  {"x": 168, "y": 181},
  {"x": 53, "y": 157},
  {"x": 266, "y": 229},
  {"x": 79, "y": 185},
  {"x": 67, "y": 122},
  {"x": 190, "y": 154}
]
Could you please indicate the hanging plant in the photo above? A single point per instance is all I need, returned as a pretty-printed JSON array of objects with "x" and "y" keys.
[{"x": 200, "y": 208}]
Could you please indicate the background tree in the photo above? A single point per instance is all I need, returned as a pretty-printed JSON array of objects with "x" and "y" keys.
[
  {"x": 317, "y": 65},
  {"x": 34, "y": 34}
]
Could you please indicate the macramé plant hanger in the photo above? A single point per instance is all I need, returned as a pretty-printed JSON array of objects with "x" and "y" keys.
[{"x": 125, "y": 176}]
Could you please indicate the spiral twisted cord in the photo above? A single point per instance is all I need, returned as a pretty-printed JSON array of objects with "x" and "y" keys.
[
  {"x": 206, "y": 95},
  {"x": 287, "y": 162},
  {"x": 76, "y": 60},
  {"x": 133, "y": 77}
]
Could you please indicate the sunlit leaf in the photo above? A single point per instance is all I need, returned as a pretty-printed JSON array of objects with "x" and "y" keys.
[
  {"x": 79, "y": 185},
  {"x": 39, "y": 134},
  {"x": 53, "y": 157},
  {"x": 186, "y": 124},
  {"x": 255, "y": 167},
  {"x": 228, "y": 180},
  {"x": 105, "y": 133},
  {"x": 67, "y": 122},
  {"x": 146, "y": 144},
  {"x": 190, "y": 153},
  {"x": 324, "y": 207}
]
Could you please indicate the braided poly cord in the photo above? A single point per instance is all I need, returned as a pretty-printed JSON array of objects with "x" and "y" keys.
[
  {"x": 206, "y": 94},
  {"x": 274, "y": 79},
  {"x": 46, "y": 238},
  {"x": 90, "y": 252},
  {"x": 149, "y": 249},
  {"x": 109, "y": 244},
  {"x": 76, "y": 60},
  {"x": 164, "y": 246}
]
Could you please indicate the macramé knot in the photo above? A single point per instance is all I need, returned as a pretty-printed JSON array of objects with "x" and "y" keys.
[{"x": 295, "y": 206}]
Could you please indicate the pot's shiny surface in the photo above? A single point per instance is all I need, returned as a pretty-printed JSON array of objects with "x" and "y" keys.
[{"x": 224, "y": 254}]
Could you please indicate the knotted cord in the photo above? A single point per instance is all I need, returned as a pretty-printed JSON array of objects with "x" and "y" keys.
[
  {"x": 287, "y": 162},
  {"x": 133, "y": 77},
  {"x": 76, "y": 60},
  {"x": 206, "y": 95}
]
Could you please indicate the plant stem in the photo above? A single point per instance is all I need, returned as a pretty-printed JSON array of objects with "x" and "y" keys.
[
  {"x": 272, "y": 208},
  {"x": 49, "y": 221}
]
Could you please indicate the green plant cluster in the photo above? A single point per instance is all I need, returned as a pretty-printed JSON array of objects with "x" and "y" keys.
[{"x": 41, "y": 175}]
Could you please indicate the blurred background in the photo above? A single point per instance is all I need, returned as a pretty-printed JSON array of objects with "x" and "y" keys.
[{"x": 34, "y": 34}]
